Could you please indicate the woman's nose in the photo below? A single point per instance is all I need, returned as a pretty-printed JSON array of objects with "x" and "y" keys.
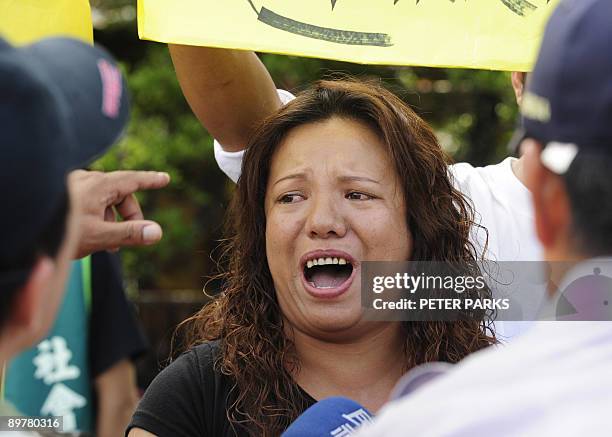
[{"x": 325, "y": 218}]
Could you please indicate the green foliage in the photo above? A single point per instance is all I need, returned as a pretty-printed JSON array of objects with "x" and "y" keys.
[{"x": 164, "y": 135}]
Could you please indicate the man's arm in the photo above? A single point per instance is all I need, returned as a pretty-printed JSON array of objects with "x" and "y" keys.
[
  {"x": 230, "y": 91},
  {"x": 117, "y": 395},
  {"x": 115, "y": 340}
]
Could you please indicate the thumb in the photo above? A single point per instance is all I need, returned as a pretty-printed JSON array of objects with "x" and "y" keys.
[{"x": 131, "y": 233}]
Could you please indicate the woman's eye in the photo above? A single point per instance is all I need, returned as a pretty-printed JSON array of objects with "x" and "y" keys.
[
  {"x": 291, "y": 198},
  {"x": 355, "y": 195}
]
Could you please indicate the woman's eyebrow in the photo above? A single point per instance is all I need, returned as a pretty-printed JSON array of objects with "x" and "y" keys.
[
  {"x": 301, "y": 175},
  {"x": 349, "y": 178}
]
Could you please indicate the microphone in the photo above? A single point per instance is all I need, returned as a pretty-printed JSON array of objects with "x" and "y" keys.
[{"x": 333, "y": 417}]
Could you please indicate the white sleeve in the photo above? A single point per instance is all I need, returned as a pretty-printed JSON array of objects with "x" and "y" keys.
[
  {"x": 502, "y": 205},
  {"x": 231, "y": 162}
]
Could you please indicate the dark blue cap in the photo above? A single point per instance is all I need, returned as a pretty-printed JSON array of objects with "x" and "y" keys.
[
  {"x": 62, "y": 103},
  {"x": 568, "y": 103}
]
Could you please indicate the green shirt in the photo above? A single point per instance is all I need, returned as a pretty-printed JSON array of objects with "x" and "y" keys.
[{"x": 52, "y": 378}]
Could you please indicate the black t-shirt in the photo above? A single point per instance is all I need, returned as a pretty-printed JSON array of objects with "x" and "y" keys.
[
  {"x": 189, "y": 398},
  {"x": 114, "y": 331}
]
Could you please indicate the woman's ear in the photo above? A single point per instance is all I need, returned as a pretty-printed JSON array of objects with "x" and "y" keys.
[{"x": 24, "y": 323}]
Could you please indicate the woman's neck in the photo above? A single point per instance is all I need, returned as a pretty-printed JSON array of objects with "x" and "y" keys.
[{"x": 364, "y": 368}]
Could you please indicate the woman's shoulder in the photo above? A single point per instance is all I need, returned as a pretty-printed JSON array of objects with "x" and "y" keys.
[
  {"x": 207, "y": 351},
  {"x": 196, "y": 368},
  {"x": 190, "y": 394}
]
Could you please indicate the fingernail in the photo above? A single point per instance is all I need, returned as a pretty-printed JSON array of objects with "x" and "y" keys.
[
  {"x": 165, "y": 177},
  {"x": 151, "y": 233}
]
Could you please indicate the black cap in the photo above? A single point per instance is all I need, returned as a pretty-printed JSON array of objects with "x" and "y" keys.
[
  {"x": 62, "y": 103},
  {"x": 568, "y": 103}
]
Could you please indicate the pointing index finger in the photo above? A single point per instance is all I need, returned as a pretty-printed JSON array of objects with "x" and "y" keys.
[{"x": 125, "y": 183}]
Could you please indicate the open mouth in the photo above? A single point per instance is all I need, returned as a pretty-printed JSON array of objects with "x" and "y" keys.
[{"x": 328, "y": 273}]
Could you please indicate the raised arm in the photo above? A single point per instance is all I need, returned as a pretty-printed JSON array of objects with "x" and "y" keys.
[{"x": 230, "y": 91}]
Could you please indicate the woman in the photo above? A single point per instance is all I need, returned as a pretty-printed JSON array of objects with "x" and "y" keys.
[{"x": 344, "y": 173}]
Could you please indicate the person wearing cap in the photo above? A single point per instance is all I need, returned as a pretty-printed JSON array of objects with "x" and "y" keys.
[
  {"x": 95, "y": 387},
  {"x": 63, "y": 103},
  {"x": 556, "y": 380}
]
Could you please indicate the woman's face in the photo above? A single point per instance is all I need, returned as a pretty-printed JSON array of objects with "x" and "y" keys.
[{"x": 332, "y": 201}]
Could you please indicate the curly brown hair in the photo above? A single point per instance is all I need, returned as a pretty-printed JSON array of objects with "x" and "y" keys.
[{"x": 246, "y": 316}]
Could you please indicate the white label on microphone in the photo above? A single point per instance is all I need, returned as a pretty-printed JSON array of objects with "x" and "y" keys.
[{"x": 354, "y": 421}]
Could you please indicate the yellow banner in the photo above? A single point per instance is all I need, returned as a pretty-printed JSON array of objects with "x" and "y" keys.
[
  {"x": 489, "y": 34},
  {"x": 23, "y": 21}
]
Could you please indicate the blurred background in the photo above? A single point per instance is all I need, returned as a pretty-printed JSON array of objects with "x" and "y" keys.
[{"x": 473, "y": 113}]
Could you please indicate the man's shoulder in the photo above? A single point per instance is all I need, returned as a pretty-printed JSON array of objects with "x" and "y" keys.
[
  {"x": 465, "y": 172},
  {"x": 525, "y": 378},
  {"x": 496, "y": 193},
  {"x": 455, "y": 396}
]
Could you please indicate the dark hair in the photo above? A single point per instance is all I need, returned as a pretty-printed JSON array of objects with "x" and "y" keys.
[
  {"x": 15, "y": 272},
  {"x": 589, "y": 188},
  {"x": 246, "y": 317}
]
